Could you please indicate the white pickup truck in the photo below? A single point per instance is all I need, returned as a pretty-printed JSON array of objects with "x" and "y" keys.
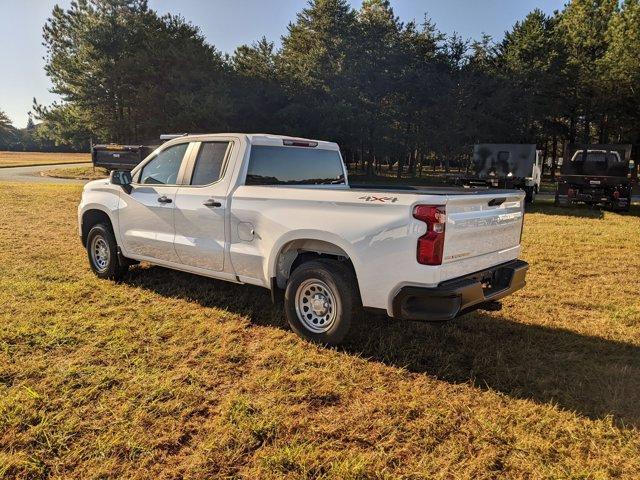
[{"x": 279, "y": 212}]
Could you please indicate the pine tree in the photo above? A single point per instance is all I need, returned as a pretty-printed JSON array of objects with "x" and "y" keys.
[
  {"x": 7, "y": 130},
  {"x": 258, "y": 92},
  {"x": 317, "y": 53},
  {"x": 127, "y": 74},
  {"x": 583, "y": 27},
  {"x": 622, "y": 72}
]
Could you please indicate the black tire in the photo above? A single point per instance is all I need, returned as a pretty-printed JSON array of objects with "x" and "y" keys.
[
  {"x": 342, "y": 297},
  {"x": 101, "y": 237},
  {"x": 617, "y": 208},
  {"x": 627, "y": 207},
  {"x": 529, "y": 195}
]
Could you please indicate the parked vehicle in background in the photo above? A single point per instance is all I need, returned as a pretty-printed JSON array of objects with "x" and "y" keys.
[
  {"x": 278, "y": 212},
  {"x": 596, "y": 175},
  {"x": 119, "y": 157},
  {"x": 506, "y": 165}
]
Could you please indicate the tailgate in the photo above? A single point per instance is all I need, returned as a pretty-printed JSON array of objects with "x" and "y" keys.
[{"x": 482, "y": 224}]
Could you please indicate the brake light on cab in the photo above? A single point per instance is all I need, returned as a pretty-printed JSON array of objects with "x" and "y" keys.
[
  {"x": 431, "y": 244},
  {"x": 299, "y": 143}
]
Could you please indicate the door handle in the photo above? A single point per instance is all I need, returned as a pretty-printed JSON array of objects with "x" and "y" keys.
[
  {"x": 211, "y": 203},
  {"x": 164, "y": 199}
]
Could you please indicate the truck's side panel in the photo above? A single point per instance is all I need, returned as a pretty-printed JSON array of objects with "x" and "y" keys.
[{"x": 379, "y": 238}]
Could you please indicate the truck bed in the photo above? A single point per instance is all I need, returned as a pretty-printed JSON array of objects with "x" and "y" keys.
[{"x": 426, "y": 190}]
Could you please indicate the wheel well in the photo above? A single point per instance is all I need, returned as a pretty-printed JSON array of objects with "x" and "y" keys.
[
  {"x": 90, "y": 218},
  {"x": 297, "y": 252}
]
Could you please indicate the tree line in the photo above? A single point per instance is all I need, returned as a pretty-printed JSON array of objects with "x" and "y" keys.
[{"x": 395, "y": 95}]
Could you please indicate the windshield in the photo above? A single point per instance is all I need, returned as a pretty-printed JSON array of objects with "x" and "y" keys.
[
  {"x": 596, "y": 156},
  {"x": 596, "y": 162}
]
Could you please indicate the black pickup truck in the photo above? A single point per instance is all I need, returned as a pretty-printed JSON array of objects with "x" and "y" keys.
[{"x": 596, "y": 175}]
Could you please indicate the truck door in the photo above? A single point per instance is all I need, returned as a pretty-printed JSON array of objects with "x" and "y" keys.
[
  {"x": 201, "y": 204},
  {"x": 146, "y": 215}
]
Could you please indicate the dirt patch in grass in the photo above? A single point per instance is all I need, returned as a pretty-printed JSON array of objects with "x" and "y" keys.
[
  {"x": 27, "y": 159},
  {"x": 169, "y": 375},
  {"x": 77, "y": 173}
]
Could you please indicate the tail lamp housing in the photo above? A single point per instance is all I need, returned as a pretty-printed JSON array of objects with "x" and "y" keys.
[{"x": 431, "y": 245}]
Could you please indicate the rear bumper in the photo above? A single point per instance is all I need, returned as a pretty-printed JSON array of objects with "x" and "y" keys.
[
  {"x": 461, "y": 295},
  {"x": 607, "y": 192}
]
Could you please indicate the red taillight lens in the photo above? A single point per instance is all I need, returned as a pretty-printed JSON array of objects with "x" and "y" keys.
[
  {"x": 431, "y": 244},
  {"x": 616, "y": 194}
]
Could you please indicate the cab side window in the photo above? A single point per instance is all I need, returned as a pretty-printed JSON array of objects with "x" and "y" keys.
[
  {"x": 164, "y": 168},
  {"x": 209, "y": 163}
]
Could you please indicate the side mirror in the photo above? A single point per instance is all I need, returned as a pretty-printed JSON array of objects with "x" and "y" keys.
[{"x": 122, "y": 178}]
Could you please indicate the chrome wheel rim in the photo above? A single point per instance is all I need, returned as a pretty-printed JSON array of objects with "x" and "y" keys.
[
  {"x": 100, "y": 254},
  {"x": 315, "y": 305}
]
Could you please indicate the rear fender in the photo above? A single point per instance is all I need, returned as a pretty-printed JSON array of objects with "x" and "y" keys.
[{"x": 315, "y": 241}]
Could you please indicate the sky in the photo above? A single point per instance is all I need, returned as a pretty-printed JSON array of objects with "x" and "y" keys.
[{"x": 225, "y": 24}]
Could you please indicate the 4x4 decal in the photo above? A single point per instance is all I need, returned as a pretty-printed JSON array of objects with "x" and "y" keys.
[{"x": 372, "y": 198}]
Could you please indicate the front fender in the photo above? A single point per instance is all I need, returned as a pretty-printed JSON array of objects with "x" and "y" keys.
[{"x": 104, "y": 200}]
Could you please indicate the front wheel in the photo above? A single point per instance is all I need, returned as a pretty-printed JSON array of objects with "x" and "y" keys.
[
  {"x": 320, "y": 301},
  {"x": 102, "y": 251}
]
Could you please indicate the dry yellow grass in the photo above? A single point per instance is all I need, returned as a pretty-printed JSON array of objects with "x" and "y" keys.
[
  {"x": 167, "y": 375},
  {"x": 77, "y": 173},
  {"x": 26, "y": 159}
]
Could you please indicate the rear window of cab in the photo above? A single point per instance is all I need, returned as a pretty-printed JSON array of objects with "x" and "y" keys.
[{"x": 274, "y": 165}]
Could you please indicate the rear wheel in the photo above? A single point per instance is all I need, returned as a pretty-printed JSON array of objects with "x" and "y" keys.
[
  {"x": 102, "y": 251},
  {"x": 625, "y": 208},
  {"x": 321, "y": 301}
]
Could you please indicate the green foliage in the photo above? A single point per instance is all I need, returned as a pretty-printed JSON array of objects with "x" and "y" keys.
[
  {"x": 621, "y": 67},
  {"x": 7, "y": 130},
  {"x": 124, "y": 72},
  {"x": 393, "y": 94}
]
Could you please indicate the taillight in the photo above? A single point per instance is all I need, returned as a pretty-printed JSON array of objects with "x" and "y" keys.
[
  {"x": 571, "y": 192},
  {"x": 616, "y": 194},
  {"x": 431, "y": 244}
]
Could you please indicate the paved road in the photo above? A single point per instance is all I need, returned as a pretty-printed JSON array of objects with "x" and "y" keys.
[{"x": 32, "y": 174}]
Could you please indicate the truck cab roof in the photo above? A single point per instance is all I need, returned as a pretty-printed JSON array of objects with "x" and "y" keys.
[{"x": 265, "y": 139}]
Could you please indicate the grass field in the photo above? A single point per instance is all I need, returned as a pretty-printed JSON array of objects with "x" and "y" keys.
[
  {"x": 77, "y": 173},
  {"x": 27, "y": 159},
  {"x": 167, "y": 375}
]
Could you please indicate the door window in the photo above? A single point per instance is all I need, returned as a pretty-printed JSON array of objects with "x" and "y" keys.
[
  {"x": 209, "y": 163},
  {"x": 164, "y": 168}
]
